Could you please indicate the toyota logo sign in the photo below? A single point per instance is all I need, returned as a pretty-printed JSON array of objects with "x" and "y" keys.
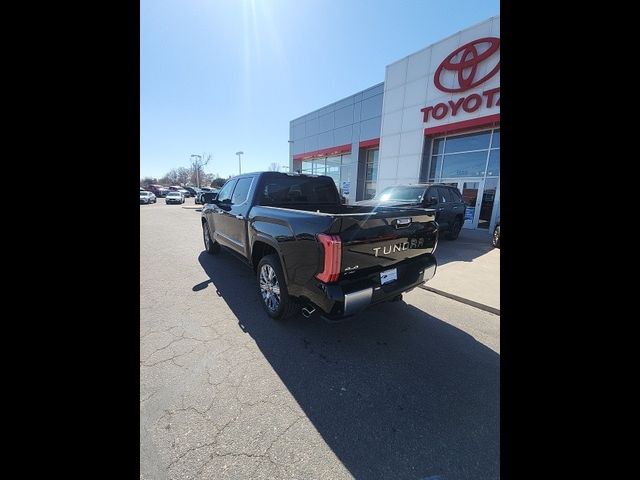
[{"x": 466, "y": 61}]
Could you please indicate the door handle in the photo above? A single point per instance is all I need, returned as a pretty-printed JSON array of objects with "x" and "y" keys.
[
  {"x": 455, "y": 208},
  {"x": 440, "y": 209},
  {"x": 239, "y": 217}
]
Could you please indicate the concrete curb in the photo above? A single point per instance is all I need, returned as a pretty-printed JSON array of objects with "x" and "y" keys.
[
  {"x": 192, "y": 207},
  {"x": 481, "y": 306}
]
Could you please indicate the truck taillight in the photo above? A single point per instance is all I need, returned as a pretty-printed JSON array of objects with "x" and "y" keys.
[{"x": 332, "y": 257}]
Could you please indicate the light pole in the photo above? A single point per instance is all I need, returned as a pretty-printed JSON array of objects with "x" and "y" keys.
[
  {"x": 197, "y": 169},
  {"x": 239, "y": 162}
]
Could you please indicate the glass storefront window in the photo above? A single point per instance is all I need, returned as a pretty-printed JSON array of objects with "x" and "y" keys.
[
  {"x": 469, "y": 164},
  {"x": 369, "y": 190},
  {"x": 493, "y": 168},
  {"x": 336, "y": 167},
  {"x": 488, "y": 199},
  {"x": 319, "y": 166},
  {"x": 306, "y": 167},
  {"x": 468, "y": 142},
  {"x": 472, "y": 163},
  {"x": 438, "y": 146},
  {"x": 495, "y": 142},
  {"x": 372, "y": 165},
  {"x": 371, "y": 174},
  {"x": 436, "y": 166},
  {"x": 333, "y": 171},
  {"x": 333, "y": 168},
  {"x": 466, "y": 155}
]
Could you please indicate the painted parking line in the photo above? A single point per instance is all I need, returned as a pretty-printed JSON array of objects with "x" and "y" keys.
[{"x": 481, "y": 306}]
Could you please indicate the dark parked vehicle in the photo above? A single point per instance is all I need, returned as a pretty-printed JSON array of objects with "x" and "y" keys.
[
  {"x": 310, "y": 251},
  {"x": 202, "y": 191},
  {"x": 444, "y": 199},
  {"x": 158, "y": 190},
  {"x": 193, "y": 191},
  {"x": 174, "y": 197}
]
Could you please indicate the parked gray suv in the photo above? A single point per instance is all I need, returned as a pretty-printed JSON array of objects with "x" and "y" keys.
[{"x": 446, "y": 200}]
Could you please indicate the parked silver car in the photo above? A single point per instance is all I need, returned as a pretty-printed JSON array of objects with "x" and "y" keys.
[
  {"x": 147, "y": 197},
  {"x": 174, "y": 197}
]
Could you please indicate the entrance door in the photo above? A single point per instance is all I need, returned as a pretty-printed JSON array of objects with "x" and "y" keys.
[
  {"x": 480, "y": 198},
  {"x": 471, "y": 192},
  {"x": 488, "y": 202}
]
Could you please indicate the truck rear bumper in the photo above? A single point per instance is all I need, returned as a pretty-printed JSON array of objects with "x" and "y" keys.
[{"x": 344, "y": 300}]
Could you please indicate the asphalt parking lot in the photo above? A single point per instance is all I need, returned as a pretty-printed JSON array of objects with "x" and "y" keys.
[{"x": 408, "y": 390}]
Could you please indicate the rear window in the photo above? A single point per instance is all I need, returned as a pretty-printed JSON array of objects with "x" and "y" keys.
[
  {"x": 284, "y": 190},
  {"x": 402, "y": 194}
]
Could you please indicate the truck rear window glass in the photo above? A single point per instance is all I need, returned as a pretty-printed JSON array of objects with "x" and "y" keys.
[
  {"x": 298, "y": 190},
  {"x": 401, "y": 194}
]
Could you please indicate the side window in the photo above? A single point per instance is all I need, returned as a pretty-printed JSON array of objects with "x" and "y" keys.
[
  {"x": 225, "y": 193},
  {"x": 442, "y": 195},
  {"x": 241, "y": 192},
  {"x": 451, "y": 196},
  {"x": 457, "y": 196},
  {"x": 433, "y": 192}
]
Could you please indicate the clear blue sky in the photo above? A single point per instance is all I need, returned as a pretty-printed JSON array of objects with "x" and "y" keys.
[{"x": 219, "y": 76}]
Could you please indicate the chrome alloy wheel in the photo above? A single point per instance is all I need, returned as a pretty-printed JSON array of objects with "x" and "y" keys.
[{"x": 269, "y": 287}]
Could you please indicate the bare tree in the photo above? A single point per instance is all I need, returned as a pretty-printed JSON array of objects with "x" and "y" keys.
[
  {"x": 206, "y": 179},
  {"x": 274, "y": 167},
  {"x": 218, "y": 182},
  {"x": 171, "y": 178},
  {"x": 197, "y": 168},
  {"x": 183, "y": 175}
]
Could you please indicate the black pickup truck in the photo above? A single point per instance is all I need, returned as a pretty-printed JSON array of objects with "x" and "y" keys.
[{"x": 310, "y": 251}]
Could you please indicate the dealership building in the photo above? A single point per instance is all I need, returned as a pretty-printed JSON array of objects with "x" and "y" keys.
[{"x": 435, "y": 118}]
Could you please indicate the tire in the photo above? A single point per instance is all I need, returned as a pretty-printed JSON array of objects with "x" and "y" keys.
[
  {"x": 270, "y": 276},
  {"x": 210, "y": 245},
  {"x": 454, "y": 229},
  {"x": 495, "y": 238}
]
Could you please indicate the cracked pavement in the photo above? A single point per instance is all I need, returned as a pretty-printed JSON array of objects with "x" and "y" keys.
[{"x": 408, "y": 390}]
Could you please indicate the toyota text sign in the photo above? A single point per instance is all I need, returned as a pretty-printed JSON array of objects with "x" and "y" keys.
[{"x": 463, "y": 73}]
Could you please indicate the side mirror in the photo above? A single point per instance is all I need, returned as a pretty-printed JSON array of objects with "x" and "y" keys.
[{"x": 209, "y": 197}]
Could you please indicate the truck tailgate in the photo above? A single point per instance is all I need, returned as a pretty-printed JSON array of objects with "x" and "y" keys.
[{"x": 376, "y": 241}]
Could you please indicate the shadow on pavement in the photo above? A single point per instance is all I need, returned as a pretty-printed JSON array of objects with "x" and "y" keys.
[
  {"x": 395, "y": 393},
  {"x": 466, "y": 248}
]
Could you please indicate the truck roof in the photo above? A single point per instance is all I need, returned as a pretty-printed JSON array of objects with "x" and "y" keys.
[{"x": 287, "y": 174}]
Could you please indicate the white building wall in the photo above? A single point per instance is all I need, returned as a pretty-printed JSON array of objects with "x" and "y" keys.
[{"x": 409, "y": 87}]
